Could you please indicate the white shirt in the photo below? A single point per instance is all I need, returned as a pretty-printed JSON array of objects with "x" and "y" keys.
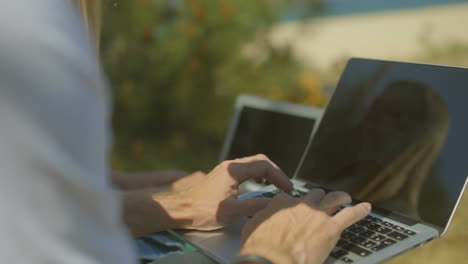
[{"x": 56, "y": 202}]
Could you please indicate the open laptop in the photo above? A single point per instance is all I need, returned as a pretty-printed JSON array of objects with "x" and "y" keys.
[
  {"x": 394, "y": 134},
  {"x": 278, "y": 129}
]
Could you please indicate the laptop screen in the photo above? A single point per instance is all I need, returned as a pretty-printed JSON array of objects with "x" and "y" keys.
[
  {"x": 282, "y": 137},
  {"x": 395, "y": 134}
]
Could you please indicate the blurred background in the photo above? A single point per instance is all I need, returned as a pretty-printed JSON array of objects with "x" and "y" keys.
[{"x": 177, "y": 66}]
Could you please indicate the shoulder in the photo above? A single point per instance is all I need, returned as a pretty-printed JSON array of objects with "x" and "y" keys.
[{"x": 37, "y": 37}]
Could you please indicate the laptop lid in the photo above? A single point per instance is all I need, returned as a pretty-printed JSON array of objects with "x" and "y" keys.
[
  {"x": 277, "y": 129},
  {"x": 395, "y": 134}
]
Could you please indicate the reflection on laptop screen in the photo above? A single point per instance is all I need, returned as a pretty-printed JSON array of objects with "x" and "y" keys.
[
  {"x": 282, "y": 137},
  {"x": 395, "y": 134}
]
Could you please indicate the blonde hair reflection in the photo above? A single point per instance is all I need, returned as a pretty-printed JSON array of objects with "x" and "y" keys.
[{"x": 403, "y": 175}]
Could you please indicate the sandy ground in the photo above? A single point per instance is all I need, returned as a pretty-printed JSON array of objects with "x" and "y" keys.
[
  {"x": 451, "y": 248},
  {"x": 386, "y": 35}
]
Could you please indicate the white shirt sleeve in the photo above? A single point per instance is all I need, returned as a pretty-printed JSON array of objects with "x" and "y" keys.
[{"x": 56, "y": 203}]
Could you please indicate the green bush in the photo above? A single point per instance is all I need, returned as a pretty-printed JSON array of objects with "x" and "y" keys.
[{"x": 176, "y": 68}]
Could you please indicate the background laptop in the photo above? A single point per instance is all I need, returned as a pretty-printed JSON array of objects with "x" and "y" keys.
[
  {"x": 394, "y": 134},
  {"x": 278, "y": 129}
]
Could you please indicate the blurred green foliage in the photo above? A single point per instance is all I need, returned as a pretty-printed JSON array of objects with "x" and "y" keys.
[{"x": 176, "y": 68}]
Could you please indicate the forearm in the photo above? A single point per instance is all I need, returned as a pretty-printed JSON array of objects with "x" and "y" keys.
[
  {"x": 117, "y": 179},
  {"x": 146, "y": 212}
]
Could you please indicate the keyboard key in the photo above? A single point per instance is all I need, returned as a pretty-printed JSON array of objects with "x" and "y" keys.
[
  {"x": 342, "y": 243},
  {"x": 368, "y": 244},
  {"x": 338, "y": 253},
  {"x": 356, "y": 229},
  {"x": 379, "y": 247},
  {"x": 388, "y": 242},
  {"x": 397, "y": 235},
  {"x": 409, "y": 232},
  {"x": 373, "y": 227},
  {"x": 377, "y": 237},
  {"x": 347, "y": 235},
  {"x": 399, "y": 228},
  {"x": 358, "y": 239},
  {"x": 367, "y": 233},
  {"x": 348, "y": 246},
  {"x": 387, "y": 224},
  {"x": 383, "y": 230},
  {"x": 360, "y": 251},
  {"x": 347, "y": 260},
  {"x": 384, "y": 244},
  {"x": 378, "y": 221},
  {"x": 363, "y": 223},
  {"x": 295, "y": 193}
]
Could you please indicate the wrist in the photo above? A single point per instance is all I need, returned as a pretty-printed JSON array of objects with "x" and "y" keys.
[
  {"x": 176, "y": 207},
  {"x": 118, "y": 180},
  {"x": 145, "y": 211}
]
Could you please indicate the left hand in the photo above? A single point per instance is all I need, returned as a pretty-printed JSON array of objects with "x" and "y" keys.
[
  {"x": 213, "y": 202},
  {"x": 199, "y": 201}
]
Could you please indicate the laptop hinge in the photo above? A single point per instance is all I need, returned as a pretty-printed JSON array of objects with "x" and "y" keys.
[
  {"x": 395, "y": 216},
  {"x": 389, "y": 214}
]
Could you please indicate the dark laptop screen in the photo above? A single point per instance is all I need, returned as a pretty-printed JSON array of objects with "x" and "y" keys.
[
  {"x": 282, "y": 137},
  {"x": 395, "y": 134}
]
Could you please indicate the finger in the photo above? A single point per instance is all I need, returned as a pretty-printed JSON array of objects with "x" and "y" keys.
[
  {"x": 333, "y": 200},
  {"x": 258, "y": 168},
  {"x": 260, "y": 181},
  {"x": 258, "y": 157},
  {"x": 350, "y": 215},
  {"x": 314, "y": 196},
  {"x": 277, "y": 203},
  {"x": 249, "y": 207},
  {"x": 198, "y": 175}
]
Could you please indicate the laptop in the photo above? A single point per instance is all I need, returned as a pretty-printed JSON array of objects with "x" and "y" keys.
[
  {"x": 394, "y": 134},
  {"x": 261, "y": 125}
]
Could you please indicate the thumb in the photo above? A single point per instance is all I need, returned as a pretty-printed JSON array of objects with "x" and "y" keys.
[
  {"x": 250, "y": 207},
  {"x": 351, "y": 215}
]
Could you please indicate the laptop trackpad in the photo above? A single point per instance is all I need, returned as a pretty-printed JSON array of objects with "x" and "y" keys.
[{"x": 225, "y": 246}]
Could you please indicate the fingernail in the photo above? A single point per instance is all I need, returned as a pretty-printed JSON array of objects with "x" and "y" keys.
[{"x": 368, "y": 206}]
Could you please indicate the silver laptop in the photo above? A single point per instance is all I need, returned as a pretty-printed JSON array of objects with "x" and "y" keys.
[
  {"x": 394, "y": 134},
  {"x": 278, "y": 129}
]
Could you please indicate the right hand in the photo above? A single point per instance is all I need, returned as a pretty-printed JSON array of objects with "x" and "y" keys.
[
  {"x": 211, "y": 203},
  {"x": 293, "y": 230}
]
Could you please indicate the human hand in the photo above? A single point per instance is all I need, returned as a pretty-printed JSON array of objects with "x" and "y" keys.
[
  {"x": 304, "y": 229},
  {"x": 188, "y": 181},
  {"x": 201, "y": 201},
  {"x": 212, "y": 202}
]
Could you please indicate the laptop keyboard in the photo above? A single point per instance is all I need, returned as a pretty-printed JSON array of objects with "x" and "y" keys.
[{"x": 364, "y": 238}]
